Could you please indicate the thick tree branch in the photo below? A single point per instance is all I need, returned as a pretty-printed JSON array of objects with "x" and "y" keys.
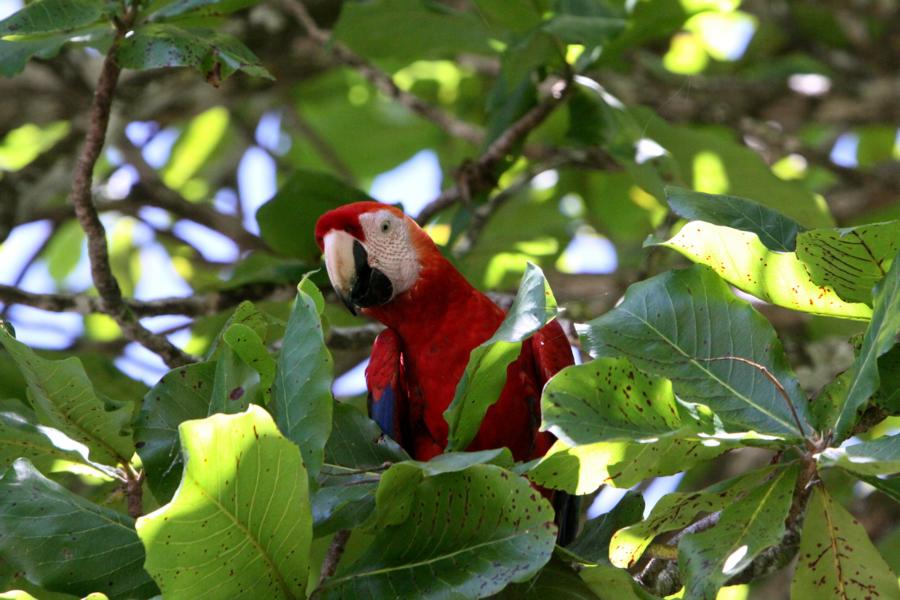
[
  {"x": 381, "y": 80},
  {"x": 81, "y": 198}
]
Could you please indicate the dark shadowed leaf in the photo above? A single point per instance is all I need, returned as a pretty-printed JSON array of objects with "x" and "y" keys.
[
  {"x": 592, "y": 544},
  {"x": 216, "y": 55},
  {"x": 557, "y": 581},
  {"x": 850, "y": 260},
  {"x": 745, "y": 528},
  {"x": 245, "y": 371},
  {"x": 879, "y": 339},
  {"x": 240, "y": 522},
  {"x": 687, "y": 325},
  {"x": 64, "y": 398},
  {"x": 585, "y": 30},
  {"x": 65, "y": 543},
  {"x": 287, "y": 222},
  {"x": 464, "y": 533},
  {"x": 181, "y": 395},
  {"x": 485, "y": 375},
  {"x": 51, "y": 16},
  {"x": 773, "y": 229},
  {"x": 610, "y": 582},
  {"x": 836, "y": 557},
  {"x": 302, "y": 401}
]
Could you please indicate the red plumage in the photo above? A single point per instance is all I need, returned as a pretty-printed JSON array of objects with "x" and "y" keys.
[{"x": 432, "y": 328}]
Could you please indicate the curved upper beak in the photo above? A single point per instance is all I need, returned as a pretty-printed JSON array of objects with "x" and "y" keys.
[{"x": 355, "y": 281}]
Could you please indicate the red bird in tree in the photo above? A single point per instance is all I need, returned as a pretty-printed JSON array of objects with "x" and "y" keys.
[{"x": 383, "y": 264}]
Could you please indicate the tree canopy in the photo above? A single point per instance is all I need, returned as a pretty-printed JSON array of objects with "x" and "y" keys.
[{"x": 705, "y": 193}]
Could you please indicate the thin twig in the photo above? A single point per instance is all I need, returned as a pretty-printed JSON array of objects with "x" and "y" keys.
[
  {"x": 81, "y": 198},
  {"x": 381, "y": 80},
  {"x": 134, "y": 491},
  {"x": 778, "y": 386},
  {"x": 335, "y": 552}
]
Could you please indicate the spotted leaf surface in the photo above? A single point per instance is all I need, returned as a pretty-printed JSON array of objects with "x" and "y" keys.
[
  {"x": 463, "y": 534},
  {"x": 675, "y": 511},
  {"x": 64, "y": 398},
  {"x": 747, "y": 527},
  {"x": 688, "y": 326},
  {"x": 851, "y": 260},
  {"x": 65, "y": 543},
  {"x": 836, "y": 557},
  {"x": 741, "y": 258},
  {"x": 609, "y": 399},
  {"x": 51, "y": 16},
  {"x": 240, "y": 522},
  {"x": 878, "y": 457}
]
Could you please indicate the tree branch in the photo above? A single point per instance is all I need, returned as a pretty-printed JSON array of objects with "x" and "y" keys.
[
  {"x": 335, "y": 552},
  {"x": 110, "y": 294},
  {"x": 480, "y": 175},
  {"x": 381, "y": 80}
]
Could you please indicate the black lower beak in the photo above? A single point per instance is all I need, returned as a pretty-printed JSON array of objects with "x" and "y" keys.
[{"x": 371, "y": 287}]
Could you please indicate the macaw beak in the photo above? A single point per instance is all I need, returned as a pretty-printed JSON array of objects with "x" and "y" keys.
[{"x": 356, "y": 282}]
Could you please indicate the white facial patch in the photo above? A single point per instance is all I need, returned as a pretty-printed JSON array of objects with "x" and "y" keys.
[{"x": 390, "y": 249}]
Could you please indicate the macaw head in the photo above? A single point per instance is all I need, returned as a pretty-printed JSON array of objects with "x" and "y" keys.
[{"x": 373, "y": 252}]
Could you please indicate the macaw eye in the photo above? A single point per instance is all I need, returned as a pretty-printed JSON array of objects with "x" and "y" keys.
[{"x": 385, "y": 226}]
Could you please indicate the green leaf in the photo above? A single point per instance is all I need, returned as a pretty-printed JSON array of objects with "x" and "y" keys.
[
  {"x": 879, "y": 339},
  {"x": 51, "y": 16},
  {"x": 64, "y": 398},
  {"x": 610, "y": 582},
  {"x": 676, "y": 511},
  {"x": 773, "y": 229},
  {"x": 302, "y": 401},
  {"x": 64, "y": 251},
  {"x": 178, "y": 8},
  {"x": 851, "y": 260},
  {"x": 592, "y": 544},
  {"x": 583, "y": 469},
  {"x": 741, "y": 259},
  {"x": 557, "y": 580},
  {"x": 65, "y": 543},
  {"x": 878, "y": 457},
  {"x": 485, "y": 375},
  {"x": 20, "y": 438},
  {"x": 747, "y": 527},
  {"x": 216, "y": 55},
  {"x": 240, "y": 521},
  {"x": 464, "y": 533},
  {"x": 687, "y": 325},
  {"x": 608, "y": 399},
  {"x": 181, "y": 395},
  {"x": 517, "y": 17},
  {"x": 889, "y": 487},
  {"x": 245, "y": 371},
  {"x": 287, "y": 222},
  {"x": 357, "y": 442},
  {"x": 585, "y": 30},
  {"x": 15, "y": 53},
  {"x": 836, "y": 557}
]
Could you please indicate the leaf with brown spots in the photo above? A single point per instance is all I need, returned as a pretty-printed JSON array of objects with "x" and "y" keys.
[
  {"x": 240, "y": 524},
  {"x": 837, "y": 558}
]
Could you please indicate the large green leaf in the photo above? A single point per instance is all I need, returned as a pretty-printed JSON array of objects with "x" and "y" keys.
[
  {"x": 677, "y": 510},
  {"x": 240, "y": 522},
  {"x": 20, "y": 438},
  {"x": 302, "y": 401},
  {"x": 609, "y": 399},
  {"x": 287, "y": 222},
  {"x": 216, "y": 55},
  {"x": 64, "y": 398},
  {"x": 850, "y": 260},
  {"x": 51, "y": 16},
  {"x": 65, "y": 543},
  {"x": 879, "y": 339},
  {"x": 687, "y": 326},
  {"x": 583, "y": 469},
  {"x": 878, "y": 457},
  {"x": 773, "y": 229},
  {"x": 837, "y": 559},
  {"x": 745, "y": 528},
  {"x": 744, "y": 261},
  {"x": 245, "y": 372},
  {"x": 485, "y": 375},
  {"x": 182, "y": 394},
  {"x": 463, "y": 533}
]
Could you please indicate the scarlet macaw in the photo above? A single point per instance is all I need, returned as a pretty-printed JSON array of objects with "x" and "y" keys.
[{"x": 383, "y": 264}]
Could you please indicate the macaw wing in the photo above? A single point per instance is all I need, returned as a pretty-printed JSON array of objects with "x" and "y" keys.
[{"x": 388, "y": 404}]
